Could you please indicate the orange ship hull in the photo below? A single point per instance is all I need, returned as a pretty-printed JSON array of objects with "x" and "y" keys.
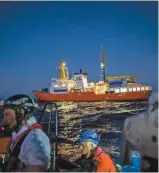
[{"x": 91, "y": 96}]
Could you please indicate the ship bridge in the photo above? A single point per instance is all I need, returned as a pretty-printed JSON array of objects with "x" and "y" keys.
[{"x": 80, "y": 80}]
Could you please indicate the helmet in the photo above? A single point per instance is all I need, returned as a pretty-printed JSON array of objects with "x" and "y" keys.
[
  {"x": 22, "y": 104},
  {"x": 89, "y": 136}
]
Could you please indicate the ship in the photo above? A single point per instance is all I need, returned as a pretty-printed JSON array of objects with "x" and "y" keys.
[{"x": 78, "y": 89}]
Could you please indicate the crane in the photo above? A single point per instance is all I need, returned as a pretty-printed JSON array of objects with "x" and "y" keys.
[{"x": 130, "y": 79}]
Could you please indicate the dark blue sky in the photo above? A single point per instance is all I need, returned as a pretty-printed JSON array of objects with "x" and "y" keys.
[{"x": 35, "y": 36}]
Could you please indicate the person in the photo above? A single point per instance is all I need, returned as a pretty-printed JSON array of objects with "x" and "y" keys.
[
  {"x": 139, "y": 147},
  {"x": 29, "y": 148},
  {"x": 93, "y": 159}
]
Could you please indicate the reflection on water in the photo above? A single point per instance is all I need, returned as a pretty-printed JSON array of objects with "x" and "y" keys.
[{"x": 104, "y": 117}]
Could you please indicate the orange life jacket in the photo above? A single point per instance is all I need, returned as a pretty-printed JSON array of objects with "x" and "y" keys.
[{"x": 105, "y": 163}]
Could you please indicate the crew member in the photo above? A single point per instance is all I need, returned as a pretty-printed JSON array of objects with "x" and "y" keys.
[{"x": 29, "y": 148}]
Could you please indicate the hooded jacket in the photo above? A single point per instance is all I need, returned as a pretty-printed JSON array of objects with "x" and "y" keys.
[{"x": 105, "y": 163}]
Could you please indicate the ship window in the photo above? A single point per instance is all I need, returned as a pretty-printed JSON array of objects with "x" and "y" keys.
[
  {"x": 138, "y": 89},
  {"x": 134, "y": 89},
  {"x": 78, "y": 78},
  {"x": 142, "y": 88},
  {"x": 130, "y": 89},
  {"x": 123, "y": 90},
  {"x": 117, "y": 90}
]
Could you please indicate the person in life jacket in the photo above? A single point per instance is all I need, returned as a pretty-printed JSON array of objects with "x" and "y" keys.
[
  {"x": 29, "y": 149},
  {"x": 139, "y": 147},
  {"x": 93, "y": 159}
]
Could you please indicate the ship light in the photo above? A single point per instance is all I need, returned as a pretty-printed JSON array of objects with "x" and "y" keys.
[
  {"x": 138, "y": 88},
  {"x": 147, "y": 88},
  {"x": 102, "y": 65},
  {"x": 142, "y": 88},
  {"x": 134, "y": 89},
  {"x": 123, "y": 90},
  {"x": 130, "y": 89},
  {"x": 117, "y": 90},
  {"x": 91, "y": 83}
]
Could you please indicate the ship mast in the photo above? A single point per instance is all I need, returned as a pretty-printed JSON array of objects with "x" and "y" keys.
[{"x": 102, "y": 65}]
